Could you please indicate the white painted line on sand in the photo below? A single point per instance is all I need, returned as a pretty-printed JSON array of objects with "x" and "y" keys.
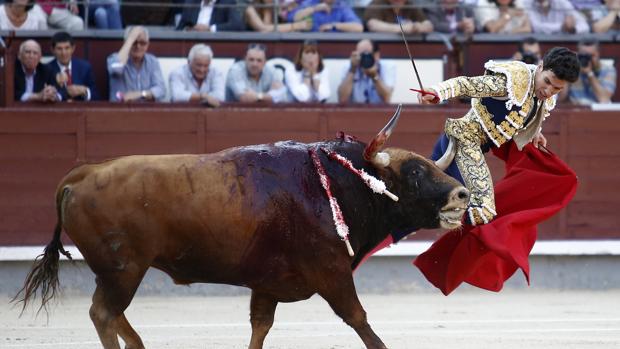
[
  {"x": 434, "y": 332},
  {"x": 403, "y": 249},
  {"x": 332, "y": 323}
]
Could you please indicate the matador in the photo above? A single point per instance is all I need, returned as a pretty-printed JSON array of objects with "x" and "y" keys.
[{"x": 508, "y": 103}]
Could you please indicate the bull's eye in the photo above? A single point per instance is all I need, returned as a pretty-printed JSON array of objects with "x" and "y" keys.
[{"x": 417, "y": 171}]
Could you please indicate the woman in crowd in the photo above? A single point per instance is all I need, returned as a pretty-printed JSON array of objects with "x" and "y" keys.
[
  {"x": 260, "y": 17},
  {"x": 22, "y": 15},
  {"x": 309, "y": 81},
  {"x": 502, "y": 17}
]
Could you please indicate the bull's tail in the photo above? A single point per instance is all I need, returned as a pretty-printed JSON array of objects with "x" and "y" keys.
[{"x": 44, "y": 273}]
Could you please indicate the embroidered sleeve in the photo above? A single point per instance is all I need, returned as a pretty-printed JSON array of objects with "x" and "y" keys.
[{"x": 493, "y": 85}]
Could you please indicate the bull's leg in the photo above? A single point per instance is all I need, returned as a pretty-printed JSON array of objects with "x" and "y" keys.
[
  {"x": 113, "y": 294},
  {"x": 129, "y": 335},
  {"x": 262, "y": 309},
  {"x": 342, "y": 298},
  {"x": 103, "y": 319}
]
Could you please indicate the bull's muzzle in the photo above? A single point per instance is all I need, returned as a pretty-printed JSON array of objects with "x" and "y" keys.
[{"x": 451, "y": 214}]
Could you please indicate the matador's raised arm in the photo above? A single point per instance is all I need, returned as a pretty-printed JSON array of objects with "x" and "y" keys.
[{"x": 492, "y": 85}]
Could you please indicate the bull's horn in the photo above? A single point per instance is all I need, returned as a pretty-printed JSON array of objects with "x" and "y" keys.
[
  {"x": 447, "y": 157},
  {"x": 370, "y": 153}
]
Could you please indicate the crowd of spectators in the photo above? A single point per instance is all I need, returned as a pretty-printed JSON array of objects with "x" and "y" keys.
[
  {"x": 416, "y": 16},
  {"x": 135, "y": 74}
]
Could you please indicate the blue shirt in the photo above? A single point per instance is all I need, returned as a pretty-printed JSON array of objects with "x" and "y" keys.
[
  {"x": 238, "y": 82},
  {"x": 127, "y": 77},
  {"x": 364, "y": 90},
  {"x": 581, "y": 91},
  {"x": 340, "y": 13}
]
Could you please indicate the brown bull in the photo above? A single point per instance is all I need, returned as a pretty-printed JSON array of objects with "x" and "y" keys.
[{"x": 253, "y": 216}]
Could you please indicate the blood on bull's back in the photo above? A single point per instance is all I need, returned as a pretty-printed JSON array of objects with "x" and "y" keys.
[{"x": 239, "y": 216}]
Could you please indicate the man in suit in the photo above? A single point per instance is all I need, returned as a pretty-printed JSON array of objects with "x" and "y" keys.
[
  {"x": 73, "y": 76},
  {"x": 211, "y": 15},
  {"x": 33, "y": 81}
]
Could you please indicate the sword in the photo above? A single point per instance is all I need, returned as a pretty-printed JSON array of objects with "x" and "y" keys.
[{"x": 415, "y": 69}]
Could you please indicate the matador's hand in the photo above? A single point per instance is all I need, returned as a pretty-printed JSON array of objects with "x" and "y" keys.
[
  {"x": 428, "y": 98},
  {"x": 539, "y": 140}
]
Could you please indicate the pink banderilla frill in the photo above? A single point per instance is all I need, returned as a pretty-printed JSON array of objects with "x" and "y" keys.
[
  {"x": 341, "y": 227},
  {"x": 376, "y": 185}
]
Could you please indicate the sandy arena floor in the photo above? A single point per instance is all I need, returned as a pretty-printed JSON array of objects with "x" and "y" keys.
[{"x": 467, "y": 319}]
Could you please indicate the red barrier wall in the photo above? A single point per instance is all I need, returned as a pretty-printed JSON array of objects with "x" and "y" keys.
[{"x": 39, "y": 145}]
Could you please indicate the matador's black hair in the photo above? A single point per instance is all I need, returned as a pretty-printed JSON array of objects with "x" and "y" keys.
[{"x": 563, "y": 63}]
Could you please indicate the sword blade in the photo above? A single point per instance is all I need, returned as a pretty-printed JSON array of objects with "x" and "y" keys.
[{"x": 415, "y": 69}]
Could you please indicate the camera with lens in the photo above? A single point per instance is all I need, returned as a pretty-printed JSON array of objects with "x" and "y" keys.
[
  {"x": 584, "y": 59},
  {"x": 529, "y": 58},
  {"x": 367, "y": 60}
]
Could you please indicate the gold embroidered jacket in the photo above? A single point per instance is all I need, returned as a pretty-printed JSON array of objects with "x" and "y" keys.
[{"x": 501, "y": 101}]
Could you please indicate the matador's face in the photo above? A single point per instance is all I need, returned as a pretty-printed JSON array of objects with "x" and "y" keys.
[{"x": 546, "y": 84}]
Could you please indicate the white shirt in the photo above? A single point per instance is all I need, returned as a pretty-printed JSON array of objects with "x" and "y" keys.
[
  {"x": 206, "y": 11},
  {"x": 183, "y": 84},
  {"x": 551, "y": 23},
  {"x": 302, "y": 92},
  {"x": 34, "y": 20},
  {"x": 29, "y": 88}
]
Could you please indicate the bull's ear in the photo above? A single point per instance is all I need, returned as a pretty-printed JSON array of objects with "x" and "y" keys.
[{"x": 372, "y": 149}]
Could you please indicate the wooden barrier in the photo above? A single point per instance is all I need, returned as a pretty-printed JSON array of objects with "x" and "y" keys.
[{"x": 39, "y": 145}]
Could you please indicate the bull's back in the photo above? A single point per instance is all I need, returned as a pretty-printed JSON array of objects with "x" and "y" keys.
[{"x": 190, "y": 215}]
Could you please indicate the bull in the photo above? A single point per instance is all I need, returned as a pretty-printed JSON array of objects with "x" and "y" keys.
[{"x": 253, "y": 216}]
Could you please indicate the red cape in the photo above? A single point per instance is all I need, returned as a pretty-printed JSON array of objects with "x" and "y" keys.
[{"x": 536, "y": 186}]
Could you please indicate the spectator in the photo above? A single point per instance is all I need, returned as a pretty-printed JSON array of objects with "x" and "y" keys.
[
  {"x": 62, "y": 14},
  {"x": 74, "y": 76},
  {"x": 554, "y": 17},
  {"x": 211, "y": 16},
  {"x": 606, "y": 17},
  {"x": 449, "y": 17},
  {"x": 250, "y": 81},
  {"x": 581, "y": 5},
  {"x": 21, "y": 15},
  {"x": 502, "y": 17},
  {"x": 33, "y": 80},
  {"x": 309, "y": 82},
  {"x": 528, "y": 52},
  {"x": 585, "y": 6},
  {"x": 259, "y": 17},
  {"x": 380, "y": 16},
  {"x": 367, "y": 79},
  {"x": 134, "y": 73},
  {"x": 328, "y": 16},
  {"x": 198, "y": 81},
  {"x": 105, "y": 13},
  {"x": 597, "y": 79}
]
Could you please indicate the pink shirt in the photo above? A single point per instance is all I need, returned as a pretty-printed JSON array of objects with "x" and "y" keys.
[{"x": 49, "y": 5}]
